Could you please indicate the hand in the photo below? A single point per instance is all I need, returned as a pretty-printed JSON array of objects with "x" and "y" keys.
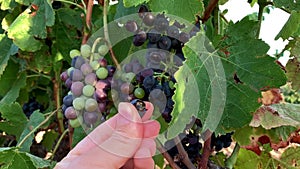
[{"x": 125, "y": 140}]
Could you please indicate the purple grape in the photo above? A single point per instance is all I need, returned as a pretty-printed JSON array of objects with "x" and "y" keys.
[
  {"x": 86, "y": 68},
  {"x": 68, "y": 100},
  {"x": 148, "y": 19},
  {"x": 68, "y": 83},
  {"x": 127, "y": 88},
  {"x": 173, "y": 32},
  {"x": 102, "y": 62},
  {"x": 70, "y": 113},
  {"x": 77, "y": 62},
  {"x": 90, "y": 79},
  {"x": 64, "y": 76},
  {"x": 139, "y": 38},
  {"x": 76, "y": 88},
  {"x": 131, "y": 26},
  {"x": 165, "y": 43},
  {"x": 102, "y": 106},
  {"x": 142, "y": 10},
  {"x": 102, "y": 85},
  {"x": 90, "y": 118},
  {"x": 100, "y": 95},
  {"x": 76, "y": 75},
  {"x": 153, "y": 36},
  {"x": 111, "y": 70},
  {"x": 161, "y": 23},
  {"x": 184, "y": 37}
]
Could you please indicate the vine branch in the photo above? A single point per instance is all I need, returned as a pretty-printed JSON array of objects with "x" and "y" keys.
[
  {"x": 88, "y": 22},
  {"x": 166, "y": 155},
  {"x": 210, "y": 7},
  {"x": 183, "y": 155},
  {"x": 106, "y": 35},
  {"x": 36, "y": 128},
  {"x": 206, "y": 152},
  {"x": 58, "y": 143}
]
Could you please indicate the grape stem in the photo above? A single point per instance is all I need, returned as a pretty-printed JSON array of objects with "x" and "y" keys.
[
  {"x": 183, "y": 155},
  {"x": 106, "y": 35},
  {"x": 229, "y": 163},
  {"x": 208, "y": 10},
  {"x": 72, "y": 3},
  {"x": 36, "y": 128},
  {"x": 88, "y": 23},
  {"x": 166, "y": 155},
  {"x": 58, "y": 143},
  {"x": 206, "y": 152},
  {"x": 94, "y": 47}
]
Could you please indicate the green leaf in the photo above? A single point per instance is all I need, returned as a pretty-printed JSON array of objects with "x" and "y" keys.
[
  {"x": 291, "y": 26},
  {"x": 247, "y": 160},
  {"x": 8, "y": 4},
  {"x": 124, "y": 11},
  {"x": 49, "y": 139},
  {"x": 292, "y": 72},
  {"x": 35, "y": 119},
  {"x": 287, "y": 4},
  {"x": 186, "y": 9},
  {"x": 288, "y": 111},
  {"x": 14, "y": 119},
  {"x": 33, "y": 23},
  {"x": 291, "y": 157},
  {"x": 13, "y": 158},
  {"x": 13, "y": 93},
  {"x": 200, "y": 89},
  {"x": 129, "y": 3},
  {"x": 24, "y": 2},
  {"x": 159, "y": 160},
  {"x": 64, "y": 34},
  {"x": 7, "y": 48},
  {"x": 78, "y": 135}
]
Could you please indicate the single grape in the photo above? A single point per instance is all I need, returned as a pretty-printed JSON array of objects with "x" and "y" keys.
[
  {"x": 165, "y": 43},
  {"x": 139, "y": 93},
  {"x": 128, "y": 77},
  {"x": 64, "y": 76},
  {"x": 90, "y": 118},
  {"x": 102, "y": 106},
  {"x": 102, "y": 85},
  {"x": 184, "y": 37},
  {"x": 111, "y": 70},
  {"x": 88, "y": 90},
  {"x": 75, "y": 122},
  {"x": 148, "y": 19},
  {"x": 86, "y": 68},
  {"x": 154, "y": 36},
  {"x": 142, "y": 10},
  {"x": 173, "y": 31},
  {"x": 127, "y": 88},
  {"x": 103, "y": 49},
  {"x": 74, "y": 53},
  {"x": 96, "y": 56},
  {"x": 68, "y": 100},
  {"x": 95, "y": 65},
  {"x": 161, "y": 24},
  {"x": 79, "y": 103},
  {"x": 68, "y": 83},
  {"x": 76, "y": 88},
  {"x": 85, "y": 50},
  {"x": 69, "y": 71},
  {"x": 100, "y": 95},
  {"x": 139, "y": 38},
  {"x": 90, "y": 79},
  {"x": 77, "y": 62},
  {"x": 91, "y": 105},
  {"x": 70, "y": 113},
  {"x": 149, "y": 82},
  {"x": 102, "y": 62},
  {"x": 76, "y": 75},
  {"x": 102, "y": 73},
  {"x": 131, "y": 26}
]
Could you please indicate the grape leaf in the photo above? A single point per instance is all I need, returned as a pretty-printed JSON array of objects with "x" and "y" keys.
[
  {"x": 291, "y": 157},
  {"x": 129, "y": 3},
  {"x": 295, "y": 48},
  {"x": 123, "y": 11},
  {"x": 247, "y": 160},
  {"x": 35, "y": 119},
  {"x": 13, "y": 158},
  {"x": 249, "y": 59},
  {"x": 8, "y": 4},
  {"x": 78, "y": 135},
  {"x": 64, "y": 34},
  {"x": 186, "y": 9},
  {"x": 49, "y": 139},
  {"x": 287, "y": 4},
  {"x": 291, "y": 26},
  {"x": 200, "y": 89},
  {"x": 277, "y": 115},
  {"x": 33, "y": 23},
  {"x": 25, "y": 2},
  {"x": 8, "y": 49},
  {"x": 14, "y": 119},
  {"x": 292, "y": 72}
]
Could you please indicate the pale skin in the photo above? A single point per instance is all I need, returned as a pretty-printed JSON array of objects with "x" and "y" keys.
[{"x": 124, "y": 141}]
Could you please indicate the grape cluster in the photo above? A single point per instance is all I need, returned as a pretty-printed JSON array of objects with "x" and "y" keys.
[
  {"x": 89, "y": 80},
  {"x": 221, "y": 141},
  {"x": 154, "y": 80},
  {"x": 31, "y": 106}
]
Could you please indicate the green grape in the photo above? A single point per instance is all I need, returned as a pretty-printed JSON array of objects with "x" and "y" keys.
[
  {"x": 74, "y": 53},
  {"x": 88, "y": 90},
  {"x": 102, "y": 73},
  {"x": 95, "y": 65},
  {"x": 85, "y": 50},
  {"x": 96, "y": 56},
  {"x": 91, "y": 105},
  {"x": 79, "y": 103},
  {"x": 103, "y": 49},
  {"x": 139, "y": 93},
  {"x": 75, "y": 122}
]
